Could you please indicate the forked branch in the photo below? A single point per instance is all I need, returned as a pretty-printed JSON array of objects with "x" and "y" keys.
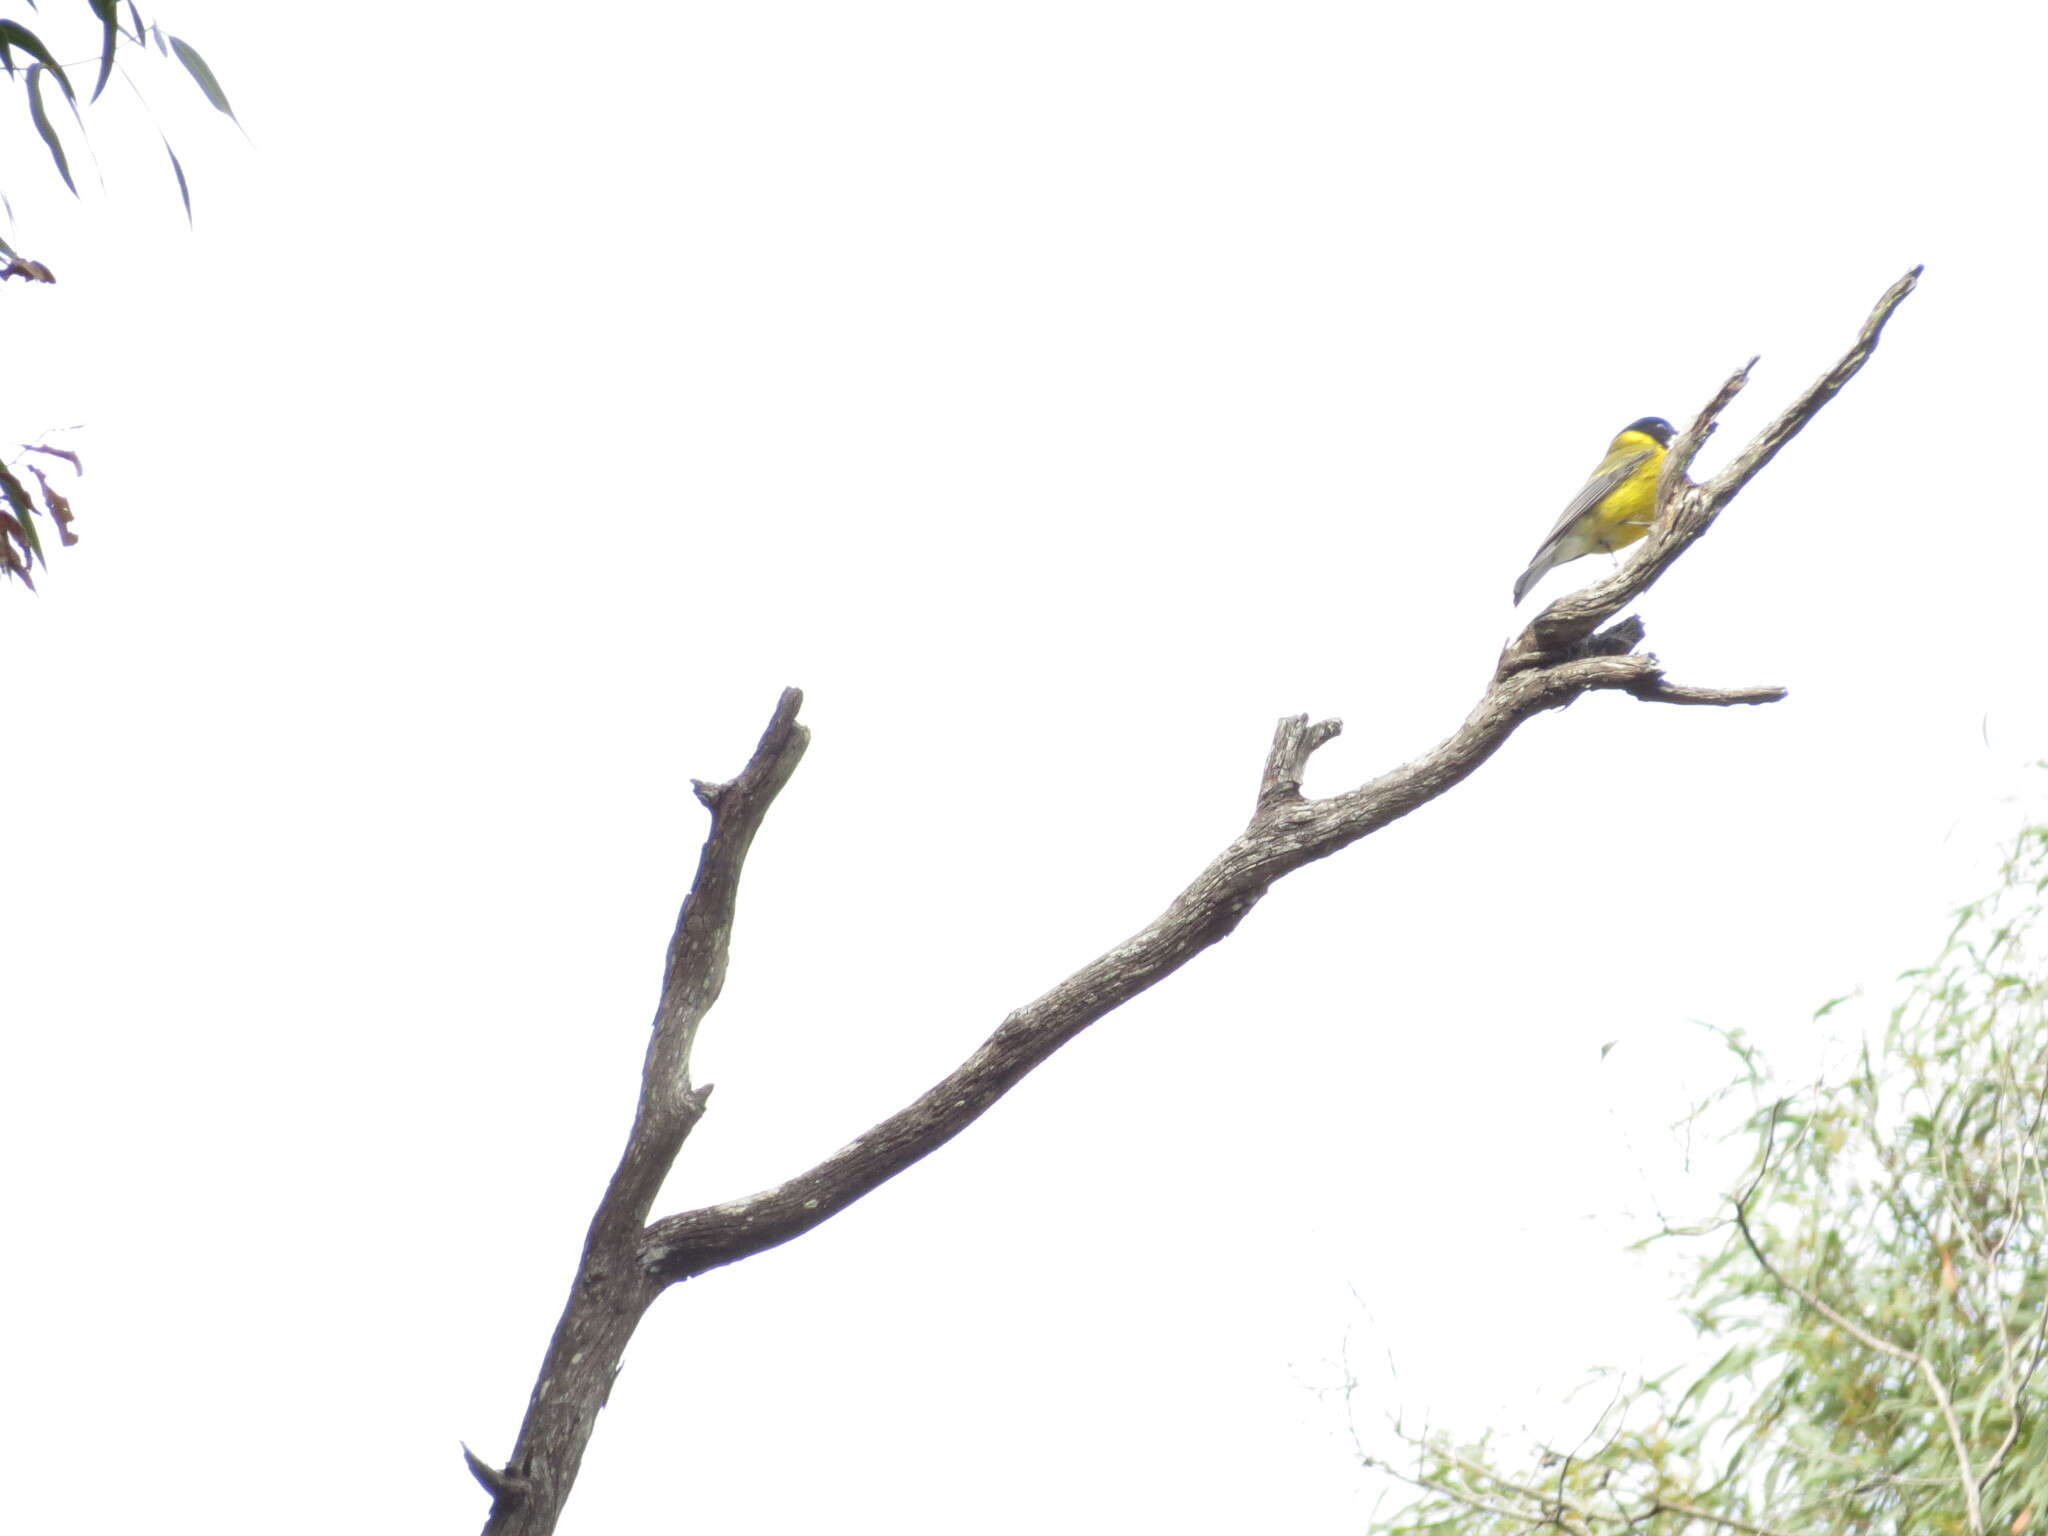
[
  {"x": 1687, "y": 509},
  {"x": 627, "y": 1260}
]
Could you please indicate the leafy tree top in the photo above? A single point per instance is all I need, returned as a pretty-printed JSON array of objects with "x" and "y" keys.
[{"x": 1880, "y": 1284}]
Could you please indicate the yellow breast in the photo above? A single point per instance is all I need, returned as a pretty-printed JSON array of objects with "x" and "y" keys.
[{"x": 1624, "y": 513}]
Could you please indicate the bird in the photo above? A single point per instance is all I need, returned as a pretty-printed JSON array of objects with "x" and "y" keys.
[{"x": 1615, "y": 505}]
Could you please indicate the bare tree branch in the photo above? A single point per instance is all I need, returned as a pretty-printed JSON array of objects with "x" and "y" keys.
[
  {"x": 627, "y": 1262},
  {"x": 1286, "y": 832},
  {"x": 612, "y": 1291},
  {"x": 1764, "y": 447}
]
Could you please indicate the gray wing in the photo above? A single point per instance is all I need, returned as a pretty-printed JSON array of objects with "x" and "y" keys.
[{"x": 1591, "y": 494}]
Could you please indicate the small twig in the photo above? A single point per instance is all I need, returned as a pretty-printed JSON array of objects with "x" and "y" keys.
[
  {"x": 1294, "y": 742},
  {"x": 1463, "y": 1496},
  {"x": 497, "y": 1484},
  {"x": 1765, "y": 445},
  {"x": 1686, "y": 447},
  {"x": 1558, "y": 1506},
  {"x": 1659, "y": 690},
  {"x": 2013, "y": 1386},
  {"x": 1671, "y": 1506}
]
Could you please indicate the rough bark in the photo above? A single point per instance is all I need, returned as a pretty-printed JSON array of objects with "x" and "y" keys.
[
  {"x": 628, "y": 1261},
  {"x": 612, "y": 1288}
]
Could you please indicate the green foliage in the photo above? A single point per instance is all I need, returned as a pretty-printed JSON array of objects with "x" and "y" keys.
[
  {"x": 111, "y": 34},
  {"x": 1881, "y": 1291},
  {"x": 21, "y": 545},
  {"x": 40, "y": 116},
  {"x": 25, "y": 56}
]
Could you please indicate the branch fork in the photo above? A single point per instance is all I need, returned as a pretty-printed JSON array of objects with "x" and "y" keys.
[{"x": 1574, "y": 647}]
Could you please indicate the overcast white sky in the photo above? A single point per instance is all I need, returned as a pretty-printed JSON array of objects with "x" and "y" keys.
[{"x": 1058, "y": 393}]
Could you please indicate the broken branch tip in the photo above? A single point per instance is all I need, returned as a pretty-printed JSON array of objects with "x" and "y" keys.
[{"x": 498, "y": 1484}]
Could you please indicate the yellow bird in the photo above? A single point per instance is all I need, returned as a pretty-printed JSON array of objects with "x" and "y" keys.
[{"x": 1615, "y": 505}]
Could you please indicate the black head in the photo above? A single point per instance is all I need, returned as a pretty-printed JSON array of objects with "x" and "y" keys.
[{"x": 1653, "y": 426}]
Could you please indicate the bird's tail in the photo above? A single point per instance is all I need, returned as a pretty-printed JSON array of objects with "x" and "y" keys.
[{"x": 1545, "y": 562}]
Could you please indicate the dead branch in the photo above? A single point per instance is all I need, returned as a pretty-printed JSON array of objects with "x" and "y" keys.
[
  {"x": 628, "y": 1261},
  {"x": 612, "y": 1290}
]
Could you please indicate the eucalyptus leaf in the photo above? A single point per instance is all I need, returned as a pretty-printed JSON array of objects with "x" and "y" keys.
[
  {"x": 197, "y": 68},
  {"x": 109, "y": 13},
  {"x": 41, "y": 118}
]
